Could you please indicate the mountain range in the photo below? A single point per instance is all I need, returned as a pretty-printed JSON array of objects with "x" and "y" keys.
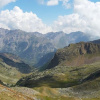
[{"x": 34, "y": 48}]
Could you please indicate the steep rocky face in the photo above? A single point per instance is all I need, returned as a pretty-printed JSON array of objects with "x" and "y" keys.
[{"x": 76, "y": 55}]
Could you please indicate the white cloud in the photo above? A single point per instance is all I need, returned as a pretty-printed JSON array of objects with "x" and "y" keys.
[
  {"x": 86, "y": 18},
  {"x": 5, "y": 2},
  {"x": 90, "y": 12},
  {"x": 17, "y": 19},
  {"x": 65, "y": 3},
  {"x": 69, "y": 23},
  {"x": 52, "y": 2}
]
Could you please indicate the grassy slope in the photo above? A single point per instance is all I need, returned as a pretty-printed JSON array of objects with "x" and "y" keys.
[
  {"x": 67, "y": 74},
  {"x": 60, "y": 76},
  {"x": 11, "y": 68},
  {"x": 8, "y": 74}
]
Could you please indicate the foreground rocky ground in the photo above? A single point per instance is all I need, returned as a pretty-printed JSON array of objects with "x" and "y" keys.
[
  {"x": 9, "y": 94},
  {"x": 23, "y": 93}
]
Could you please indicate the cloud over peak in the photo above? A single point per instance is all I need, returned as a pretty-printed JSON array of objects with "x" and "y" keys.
[{"x": 86, "y": 18}]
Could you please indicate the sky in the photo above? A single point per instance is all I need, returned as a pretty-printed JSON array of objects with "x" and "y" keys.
[{"x": 51, "y": 15}]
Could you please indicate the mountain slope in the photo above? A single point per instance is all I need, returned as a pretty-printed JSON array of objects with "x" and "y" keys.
[
  {"x": 60, "y": 76},
  {"x": 13, "y": 61},
  {"x": 89, "y": 89},
  {"x": 12, "y": 68},
  {"x": 76, "y": 55},
  {"x": 67, "y": 68},
  {"x": 77, "y": 73}
]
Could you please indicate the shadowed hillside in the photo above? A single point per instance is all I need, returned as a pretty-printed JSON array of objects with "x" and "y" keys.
[
  {"x": 12, "y": 68},
  {"x": 13, "y": 61}
]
